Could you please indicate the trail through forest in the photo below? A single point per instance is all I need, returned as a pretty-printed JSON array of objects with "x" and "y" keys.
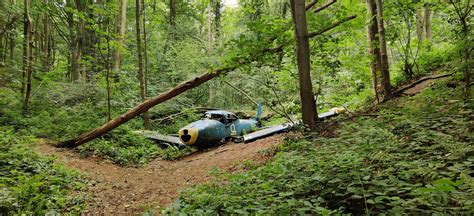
[{"x": 116, "y": 189}]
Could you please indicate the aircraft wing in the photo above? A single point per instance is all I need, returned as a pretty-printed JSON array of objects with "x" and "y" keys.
[
  {"x": 327, "y": 114},
  {"x": 267, "y": 132},
  {"x": 286, "y": 126},
  {"x": 153, "y": 135},
  {"x": 331, "y": 113}
]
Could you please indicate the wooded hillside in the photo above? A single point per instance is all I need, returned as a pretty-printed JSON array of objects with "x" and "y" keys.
[{"x": 86, "y": 74}]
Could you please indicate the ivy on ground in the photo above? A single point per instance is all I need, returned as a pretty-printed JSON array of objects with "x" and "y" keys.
[{"x": 31, "y": 184}]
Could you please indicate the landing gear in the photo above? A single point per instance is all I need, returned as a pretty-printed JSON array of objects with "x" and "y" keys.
[{"x": 238, "y": 139}]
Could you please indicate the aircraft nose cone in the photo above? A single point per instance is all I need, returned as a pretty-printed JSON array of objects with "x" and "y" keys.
[{"x": 188, "y": 135}]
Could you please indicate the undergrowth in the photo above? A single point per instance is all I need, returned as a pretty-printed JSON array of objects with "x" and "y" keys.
[
  {"x": 416, "y": 157},
  {"x": 125, "y": 148},
  {"x": 31, "y": 184}
]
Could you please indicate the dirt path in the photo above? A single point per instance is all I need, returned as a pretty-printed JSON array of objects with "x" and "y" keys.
[{"x": 117, "y": 189}]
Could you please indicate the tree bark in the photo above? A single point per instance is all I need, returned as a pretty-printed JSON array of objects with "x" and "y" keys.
[
  {"x": 172, "y": 19},
  {"x": 217, "y": 17},
  {"x": 27, "y": 56},
  {"x": 73, "y": 45},
  {"x": 145, "y": 48},
  {"x": 308, "y": 103},
  {"x": 141, "y": 74},
  {"x": 210, "y": 100},
  {"x": 209, "y": 29},
  {"x": 12, "y": 47},
  {"x": 427, "y": 21},
  {"x": 46, "y": 45},
  {"x": 373, "y": 48},
  {"x": 120, "y": 18},
  {"x": 419, "y": 25},
  {"x": 116, "y": 52},
  {"x": 80, "y": 39},
  {"x": 2, "y": 25},
  {"x": 387, "y": 87}
]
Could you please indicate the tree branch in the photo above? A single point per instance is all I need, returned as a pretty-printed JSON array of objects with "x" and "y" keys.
[
  {"x": 311, "y": 4},
  {"x": 335, "y": 24},
  {"x": 324, "y": 6}
]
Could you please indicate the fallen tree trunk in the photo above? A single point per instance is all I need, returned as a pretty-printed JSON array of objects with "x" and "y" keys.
[
  {"x": 145, "y": 106},
  {"x": 399, "y": 91}
]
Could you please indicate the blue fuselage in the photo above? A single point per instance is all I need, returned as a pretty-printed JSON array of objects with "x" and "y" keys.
[{"x": 208, "y": 132}]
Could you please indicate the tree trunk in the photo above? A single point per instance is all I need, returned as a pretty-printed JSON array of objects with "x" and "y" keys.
[
  {"x": 467, "y": 59},
  {"x": 373, "y": 48},
  {"x": 2, "y": 25},
  {"x": 145, "y": 48},
  {"x": 107, "y": 79},
  {"x": 141, "y": 75},
  {"x": 12, "y": 47},
  {"x": 387, "y": 87},
  {"x": 26, "y": 43},
  {"x": 210, "y": 100},
  {"x": 74, "y": 45},
  {"x": 123, "y": 20},
  {"x": 217, "y": 17},
  {"x": 172, "y": 19},
  {"x": 121, "y": 16},
  {"x": 407, "y": 66},
  {"x": 190, "y": 84},
  {"x": 2, "y": 53},
  {"x": 116, "y": 53},
  {"x": 27, "y": 56},
  {"x": 427, "y": 21},
  {"x": 419, "y": 25},
  {"x": 46, "y": 44},
  {"x": 308, "y": 103}
]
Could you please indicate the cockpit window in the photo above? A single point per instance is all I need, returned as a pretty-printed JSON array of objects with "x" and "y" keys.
[
  {"x": 231, "y": 117},
  {"x": 216, "y": 117}
]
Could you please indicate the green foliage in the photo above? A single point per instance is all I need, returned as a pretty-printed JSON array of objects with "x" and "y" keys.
[
  {"x": 415, "y": 158},
  {"x": 172, "y": 152},
  {"x": 30, "y": 184},
  {"x": 122, "y": 147},
  {"x": 125, "y": 148}
]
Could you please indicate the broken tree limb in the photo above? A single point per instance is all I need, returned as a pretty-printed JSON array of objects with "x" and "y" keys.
[
  {"x": 413, "y": 84},
  {"x": 333, "y": 25},
  {"x": 311, "y": 4},
  {"x": 324, "y": 6}
]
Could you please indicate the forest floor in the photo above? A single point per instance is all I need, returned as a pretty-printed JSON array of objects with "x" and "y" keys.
[{"x": 115, "y": 189}]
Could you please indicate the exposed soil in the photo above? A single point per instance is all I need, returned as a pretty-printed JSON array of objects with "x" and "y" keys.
[{"x": 120, "y": 190}]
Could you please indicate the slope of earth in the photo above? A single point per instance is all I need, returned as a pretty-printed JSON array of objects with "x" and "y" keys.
[
  {"x": 118, "y": 190},
  {"x": 414, "y": 156}
]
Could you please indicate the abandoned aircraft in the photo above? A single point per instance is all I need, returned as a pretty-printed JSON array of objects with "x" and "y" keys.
[{"x": 219, "y": 126}]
